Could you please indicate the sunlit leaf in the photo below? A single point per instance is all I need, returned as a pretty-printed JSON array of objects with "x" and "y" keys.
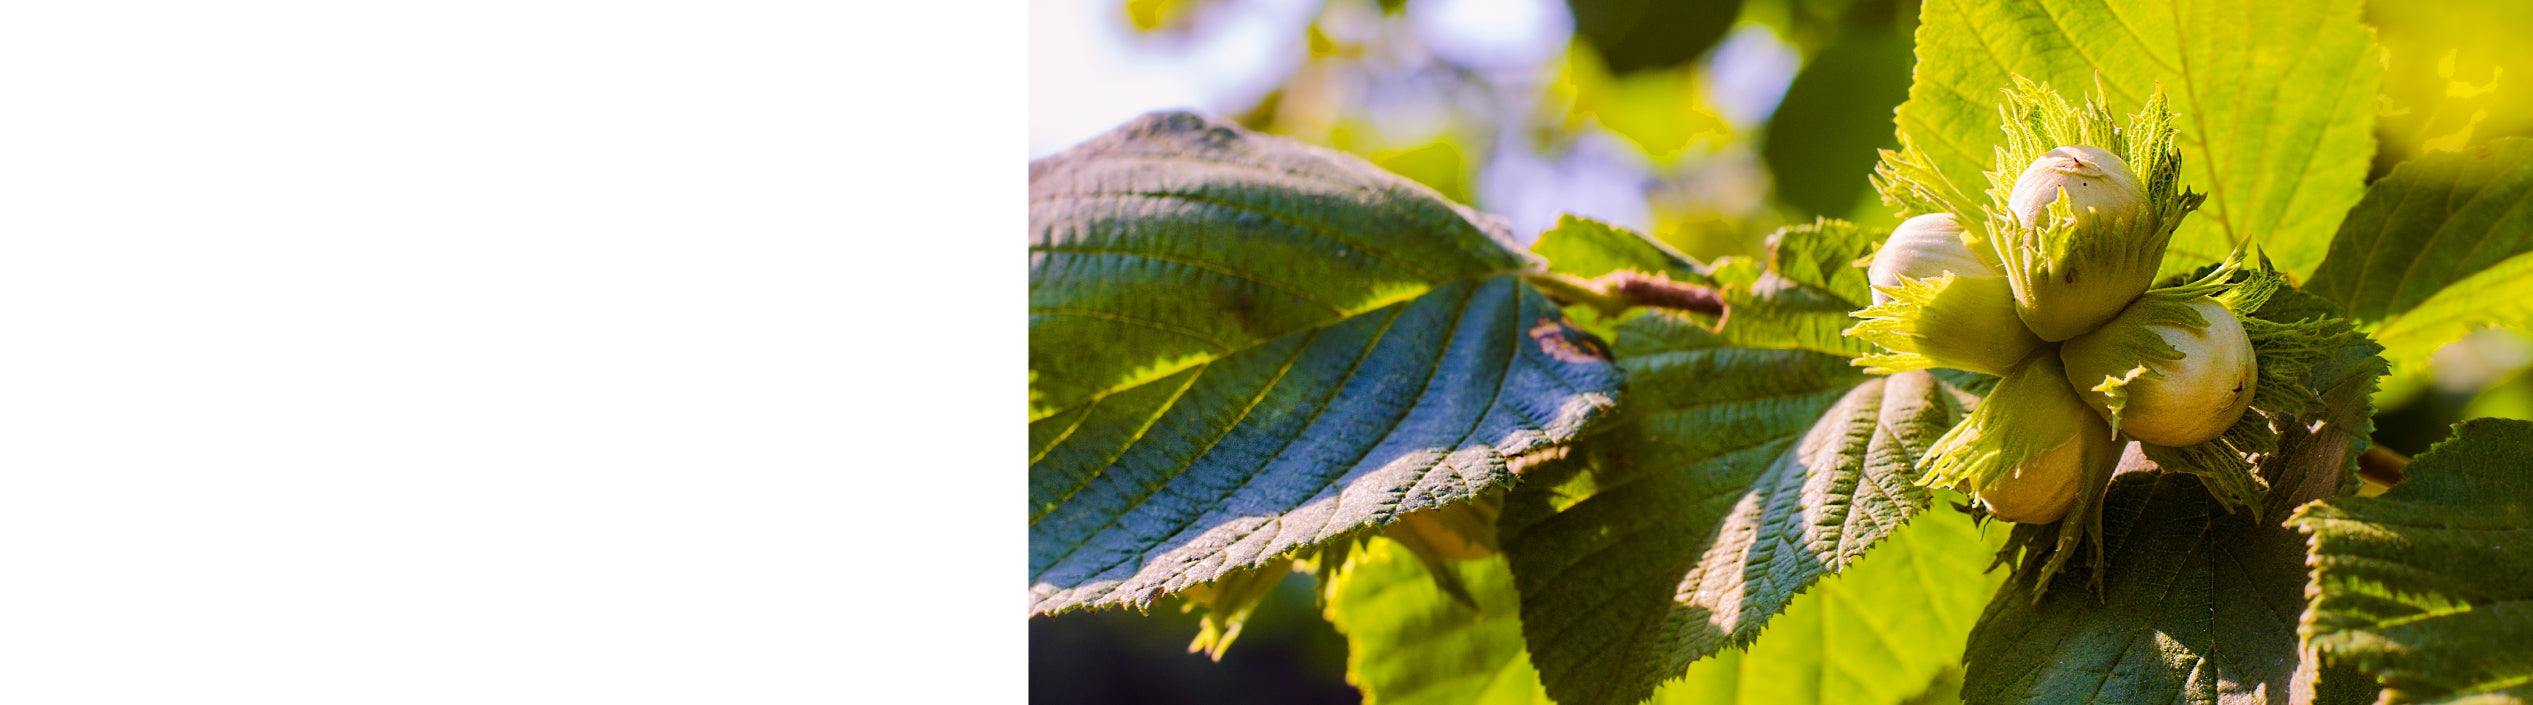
[
  {"x": 1584, "y": 247},
  {"x": 2277, "y": 102},
  {"x": 1802, "y": 298},
  {"x": 1407, "y": 643},
  {"x": 1887, "y": 629}
]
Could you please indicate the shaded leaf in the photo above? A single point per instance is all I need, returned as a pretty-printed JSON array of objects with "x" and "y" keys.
[
  {"x": 1237, "y": 418},
  {"x": 1820, "y": 145},
  {"x": 2430, "y": 586},
  {"x": 2438, "y": 248},
  {"x": 2277, "y": 102},
  {"x": 1635, "y": 35},
  {"x": 1742, "y": 476}
]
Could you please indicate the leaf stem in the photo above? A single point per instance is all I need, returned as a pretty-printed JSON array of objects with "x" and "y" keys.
[{"x": 1616, "y": 292}]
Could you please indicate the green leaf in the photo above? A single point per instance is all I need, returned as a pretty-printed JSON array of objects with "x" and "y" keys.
[
  {"x": 1408, "y": 643},
  {"x": 1588, "y": 248},
  {"x": 2430, "y": 586},
  {"x": 1240, "y": 346},
  {"x": 2277, "y": 102},
  {"x": 2438, "y": 248},
  {"x": 1174, "y": 241},
  {"x": 2199, "y": 605},
  {"x": 1880, "y": 632},
  {"x": 1803, "y": 298},
  {"x": 1742, "y": 476},
  {"x": 1585, "y": 249},
  {"x": 1837, "y": 112},
  {"x": 1223, "y": 607},
  {"x": 1636, "y": 35}
]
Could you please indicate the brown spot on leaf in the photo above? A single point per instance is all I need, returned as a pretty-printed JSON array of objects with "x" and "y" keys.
[{"x": 1561, "y": 341}]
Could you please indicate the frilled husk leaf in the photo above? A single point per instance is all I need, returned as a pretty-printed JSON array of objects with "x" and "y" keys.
[
  {"x": 1908, "y": 180},
  {"x": 1952, "y": 321},
  {"x": 2022, "y": 417},
  {"x": 2031, "y": 412}
]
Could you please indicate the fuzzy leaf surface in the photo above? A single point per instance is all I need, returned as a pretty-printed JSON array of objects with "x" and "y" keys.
[
  {"x": 1240, "y": 345},
  {"x": 2430, "y": 586},
  {"x": 2276, "y": 102},
  {"x": 1740, "y": 477},
  {"x": 2439, "y": 247}
]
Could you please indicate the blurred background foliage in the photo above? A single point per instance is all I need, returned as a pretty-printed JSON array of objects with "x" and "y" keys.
[{"x": 1706, "y": 123}]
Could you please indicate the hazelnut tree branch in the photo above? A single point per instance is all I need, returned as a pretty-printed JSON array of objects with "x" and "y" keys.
[{"x": 2381, "y": 466}]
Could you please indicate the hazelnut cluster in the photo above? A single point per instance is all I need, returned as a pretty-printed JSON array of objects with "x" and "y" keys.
[
  {"x": 2050, "y": 291},
  {"x": 2059, "y": 334}
]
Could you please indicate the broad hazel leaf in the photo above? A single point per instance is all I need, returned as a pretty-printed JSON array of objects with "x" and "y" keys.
[
  {"x": 1887, "y": 630},
  {"x": 2438, "y": 248},
  {"x": 2276, "y": 103},
  {"x": 1240, "y": 346},
  {"x": 1409, "y": 643},
  {"x": 1741, "y": 476},
  {"x": 2198, "y": 605},
  {"x": 1174, "y": 240},
  {"x": 2430, "y": 586},
  {"x": 1820, "y": 142},
  {"x": 1880, "y": 633}
]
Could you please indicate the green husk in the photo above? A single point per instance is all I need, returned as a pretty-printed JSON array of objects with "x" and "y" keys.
[
  {"x": 2131, "y": 337},
  {"x": 2069, "y": 279},
  {"x": 1951, "y": 321},
  {"x": 2031, "y": 414},
  {"x": 2285, "y": 354},
  {"x": 1908, "y": 180}
]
